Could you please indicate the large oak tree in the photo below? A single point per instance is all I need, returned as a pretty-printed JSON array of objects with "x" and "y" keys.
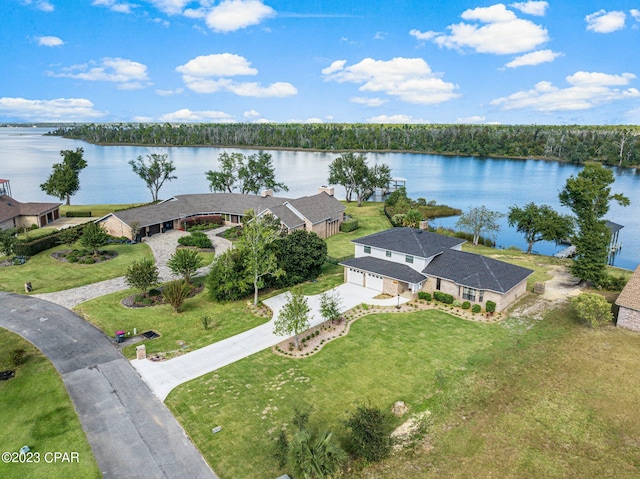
[
  {"x": 64, "y": 180},
  {"x": 539, "y": 223}
]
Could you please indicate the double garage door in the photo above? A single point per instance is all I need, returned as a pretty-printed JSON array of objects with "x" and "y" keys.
[{"x": 362, "y": 278}]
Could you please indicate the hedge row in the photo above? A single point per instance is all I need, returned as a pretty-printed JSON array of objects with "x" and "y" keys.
[
  {"x": 33, "y": 247},
  {"x": 78, "y": 214},
  {"x": 443, "y": 297},
  {"x": 348, "y": 226}
]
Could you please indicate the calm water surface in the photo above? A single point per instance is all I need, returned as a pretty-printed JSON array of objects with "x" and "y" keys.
[{"x": 26, "y": 158}]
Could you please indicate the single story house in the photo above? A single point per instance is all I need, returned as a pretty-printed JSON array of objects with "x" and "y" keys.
[
  {"x": 321, "y": 213},
  {"x": 629, "y": 303},
  {"x": 402, "y": 260},
  {"x": 14, "y": 214}
]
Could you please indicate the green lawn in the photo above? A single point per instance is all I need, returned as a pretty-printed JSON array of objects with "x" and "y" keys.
[
  {"x": 186, "y": 327},
  {"x": 385, "y": 358},
  {"x": 37, "y": 412},
  {"x": 555, "y": 400},
  {"x": 47, "y": 274},
  {"x": 371, "y": 219},
  {"x": 97, "y": 209}
]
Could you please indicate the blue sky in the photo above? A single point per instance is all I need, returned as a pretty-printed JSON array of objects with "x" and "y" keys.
[{"x": 380, "y": 61}]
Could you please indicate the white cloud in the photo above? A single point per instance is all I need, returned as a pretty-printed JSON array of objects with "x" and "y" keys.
[
  {"x": 395, "y": 119},
  {"x": 471, "y": 119},
  {"x": 49, "y": 41},
  {"x": 170, "y": 7},
  {"x": 605, "y": 22},
  {"x": 59, "y": 109},
  {"x": 209, "y": 74},
  {"x": 408, "y": 79},
  {"x": 533, "y": 58},
  {"x": 494, "y": 30},
  {"x": 635, "y": 14},
  {"x": 231, "y": 15},
  {"x": 217, "y": 65},
  {"x": 368, "y": 101},
  {"x": 380, "y": 36},
  {"x": 129, "y": 75},
  {"x": 251, "y": 114},
  {"x": 114, "y": 5},
  {"x": 176, "y": 91},
  {"x": 587, "y": 90},
  {"x": 43, "y": 5},
  {"x": 206, "y": 115},
  {"x": 538, "y": 9}
]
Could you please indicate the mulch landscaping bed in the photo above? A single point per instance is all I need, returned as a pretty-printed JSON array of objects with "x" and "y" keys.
[
  {"x": 83, "y": 256},
  {"x": 139, "y": 301}
]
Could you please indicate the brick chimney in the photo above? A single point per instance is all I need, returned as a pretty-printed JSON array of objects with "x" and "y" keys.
[{"x": 266, "y": 193}]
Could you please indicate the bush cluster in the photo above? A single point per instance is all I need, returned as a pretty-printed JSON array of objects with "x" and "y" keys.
[
  {"x": 490, "y": 307},
  {"x": 38, "y": 245},
  {"x": 197, "y": 239},
  {"x": 443, "y": 297},
  {"x": 466, "y": 305},
  {"x": 207, "y": 222},
  {"x": 476, "y": 308},
  {"x": 424, "y": 295},
  {"x": 348, "y": 226},
  {"x": 78, "y": 214}
]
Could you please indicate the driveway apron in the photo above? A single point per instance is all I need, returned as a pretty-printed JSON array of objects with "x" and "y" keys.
[{"x": 131, "y": 432}]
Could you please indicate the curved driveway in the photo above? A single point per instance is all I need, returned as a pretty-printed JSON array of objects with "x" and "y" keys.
[{"x": 131, "y": 432}]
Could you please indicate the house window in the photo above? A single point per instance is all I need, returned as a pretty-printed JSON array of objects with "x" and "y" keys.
[
  {"x": 438, "y": 284},
  {"x": 367, "y": 249},
  {"x": 469, "y": 294},
  {"x": 408, "y": 259},
  {"x": 481, "y": 297},
  {"x": 388, "y": 254}
]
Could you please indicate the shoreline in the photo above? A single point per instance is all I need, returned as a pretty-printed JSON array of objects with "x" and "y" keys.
[{"x": 338, "y": 152}]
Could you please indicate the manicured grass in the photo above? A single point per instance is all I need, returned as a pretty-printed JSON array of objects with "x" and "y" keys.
[
  {"x": 385, "y": 358},
  {"x": 110, "y": 315},
  {"x": 37, "y": 412},
  {"x": 97, "y": 209},
  {"x": 47, "y": 274},
  {"x": 332, "y": 275},
  {"x": 30, "y": 235},
  {"x": 555, "y": 400},
  {"x": 371, "y": 219}
]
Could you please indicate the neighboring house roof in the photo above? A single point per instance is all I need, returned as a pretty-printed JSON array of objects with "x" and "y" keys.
[
  {"x": 227, "y": 203},
  {"x": 288, "y": 217},
  {"x": 410, "y": 241},
  {"x": 389, "y": 269},
  {"x": 318, "y": 208},
  {"x": 11, "y": 208},
  {"x": 613, "y": 227},
  {"x": 630, "y": 295},
  {"x": 476, "y": 271}
]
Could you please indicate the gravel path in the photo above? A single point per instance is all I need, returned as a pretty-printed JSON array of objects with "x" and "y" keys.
[{"x": 162, "y": 246}]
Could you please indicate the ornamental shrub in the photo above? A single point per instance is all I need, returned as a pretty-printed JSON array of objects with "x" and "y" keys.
[
  {"x": 424, "y": 296},
  {"x": 348, "y": 226},
  {"x": 457, "y": 303},
  {"x": 466, "y": 305},
  {"x": 476, "y": 308},
  {"x": 443, "y": 297},
  {"x": 197, "y": 239},
  {"x": 490, "y": 307}
]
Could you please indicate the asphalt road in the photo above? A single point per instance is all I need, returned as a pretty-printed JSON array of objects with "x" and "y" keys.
[{"x": 131, "y": 432}]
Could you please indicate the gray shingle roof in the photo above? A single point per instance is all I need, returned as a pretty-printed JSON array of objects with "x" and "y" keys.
[
  {"x": 389, "y": 269},
  {"x": 286, "y": 216},
  {"x": 476, "y": 271},
  {"x": 317, "y": 206},
  {"x": 410, "y": 241}
]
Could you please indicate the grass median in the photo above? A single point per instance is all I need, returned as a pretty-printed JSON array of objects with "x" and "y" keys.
[{"x": 37, "y": 412}]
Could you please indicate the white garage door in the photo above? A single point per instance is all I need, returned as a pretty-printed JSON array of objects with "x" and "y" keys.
[
  {"x": 374, "y": 282},
  {"x": 356, "y": 277}
]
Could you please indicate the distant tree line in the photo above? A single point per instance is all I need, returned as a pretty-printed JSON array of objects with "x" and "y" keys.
[{"x": 611, "y": 145}]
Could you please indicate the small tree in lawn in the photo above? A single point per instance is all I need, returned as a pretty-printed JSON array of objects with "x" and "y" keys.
[
  {"x": 175, "y": 293},
  {"x": 478, "y": 220},
  {"x": 7, "y": 241},
  {"x": 154, "y": 171},
  {"x": 93, "y": 237},
  {"x": 330, "y": 304},
  {"x": 592, "y": 309},
  {"x": 69, "y": 236},
  {"x": 370, "y": 436},
  {"x": 185, "y": 262},
  {"x": 293, "y": 317},
  {"x": 142, "y": 275}
]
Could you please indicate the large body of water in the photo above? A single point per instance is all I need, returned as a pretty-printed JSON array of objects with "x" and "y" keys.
[{"x": 26, "y": 158}]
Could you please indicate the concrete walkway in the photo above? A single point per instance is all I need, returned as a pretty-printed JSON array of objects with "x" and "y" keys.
[
  {"x": 132, "y": 434},
  {"x": 162, "y": 246},
  {"x": 163, "y": 376}
]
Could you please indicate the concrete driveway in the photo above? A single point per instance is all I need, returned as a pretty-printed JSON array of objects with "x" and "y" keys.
[
  {"x": 131, "y": 432},
  {"x": 163, "y": 377}
]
